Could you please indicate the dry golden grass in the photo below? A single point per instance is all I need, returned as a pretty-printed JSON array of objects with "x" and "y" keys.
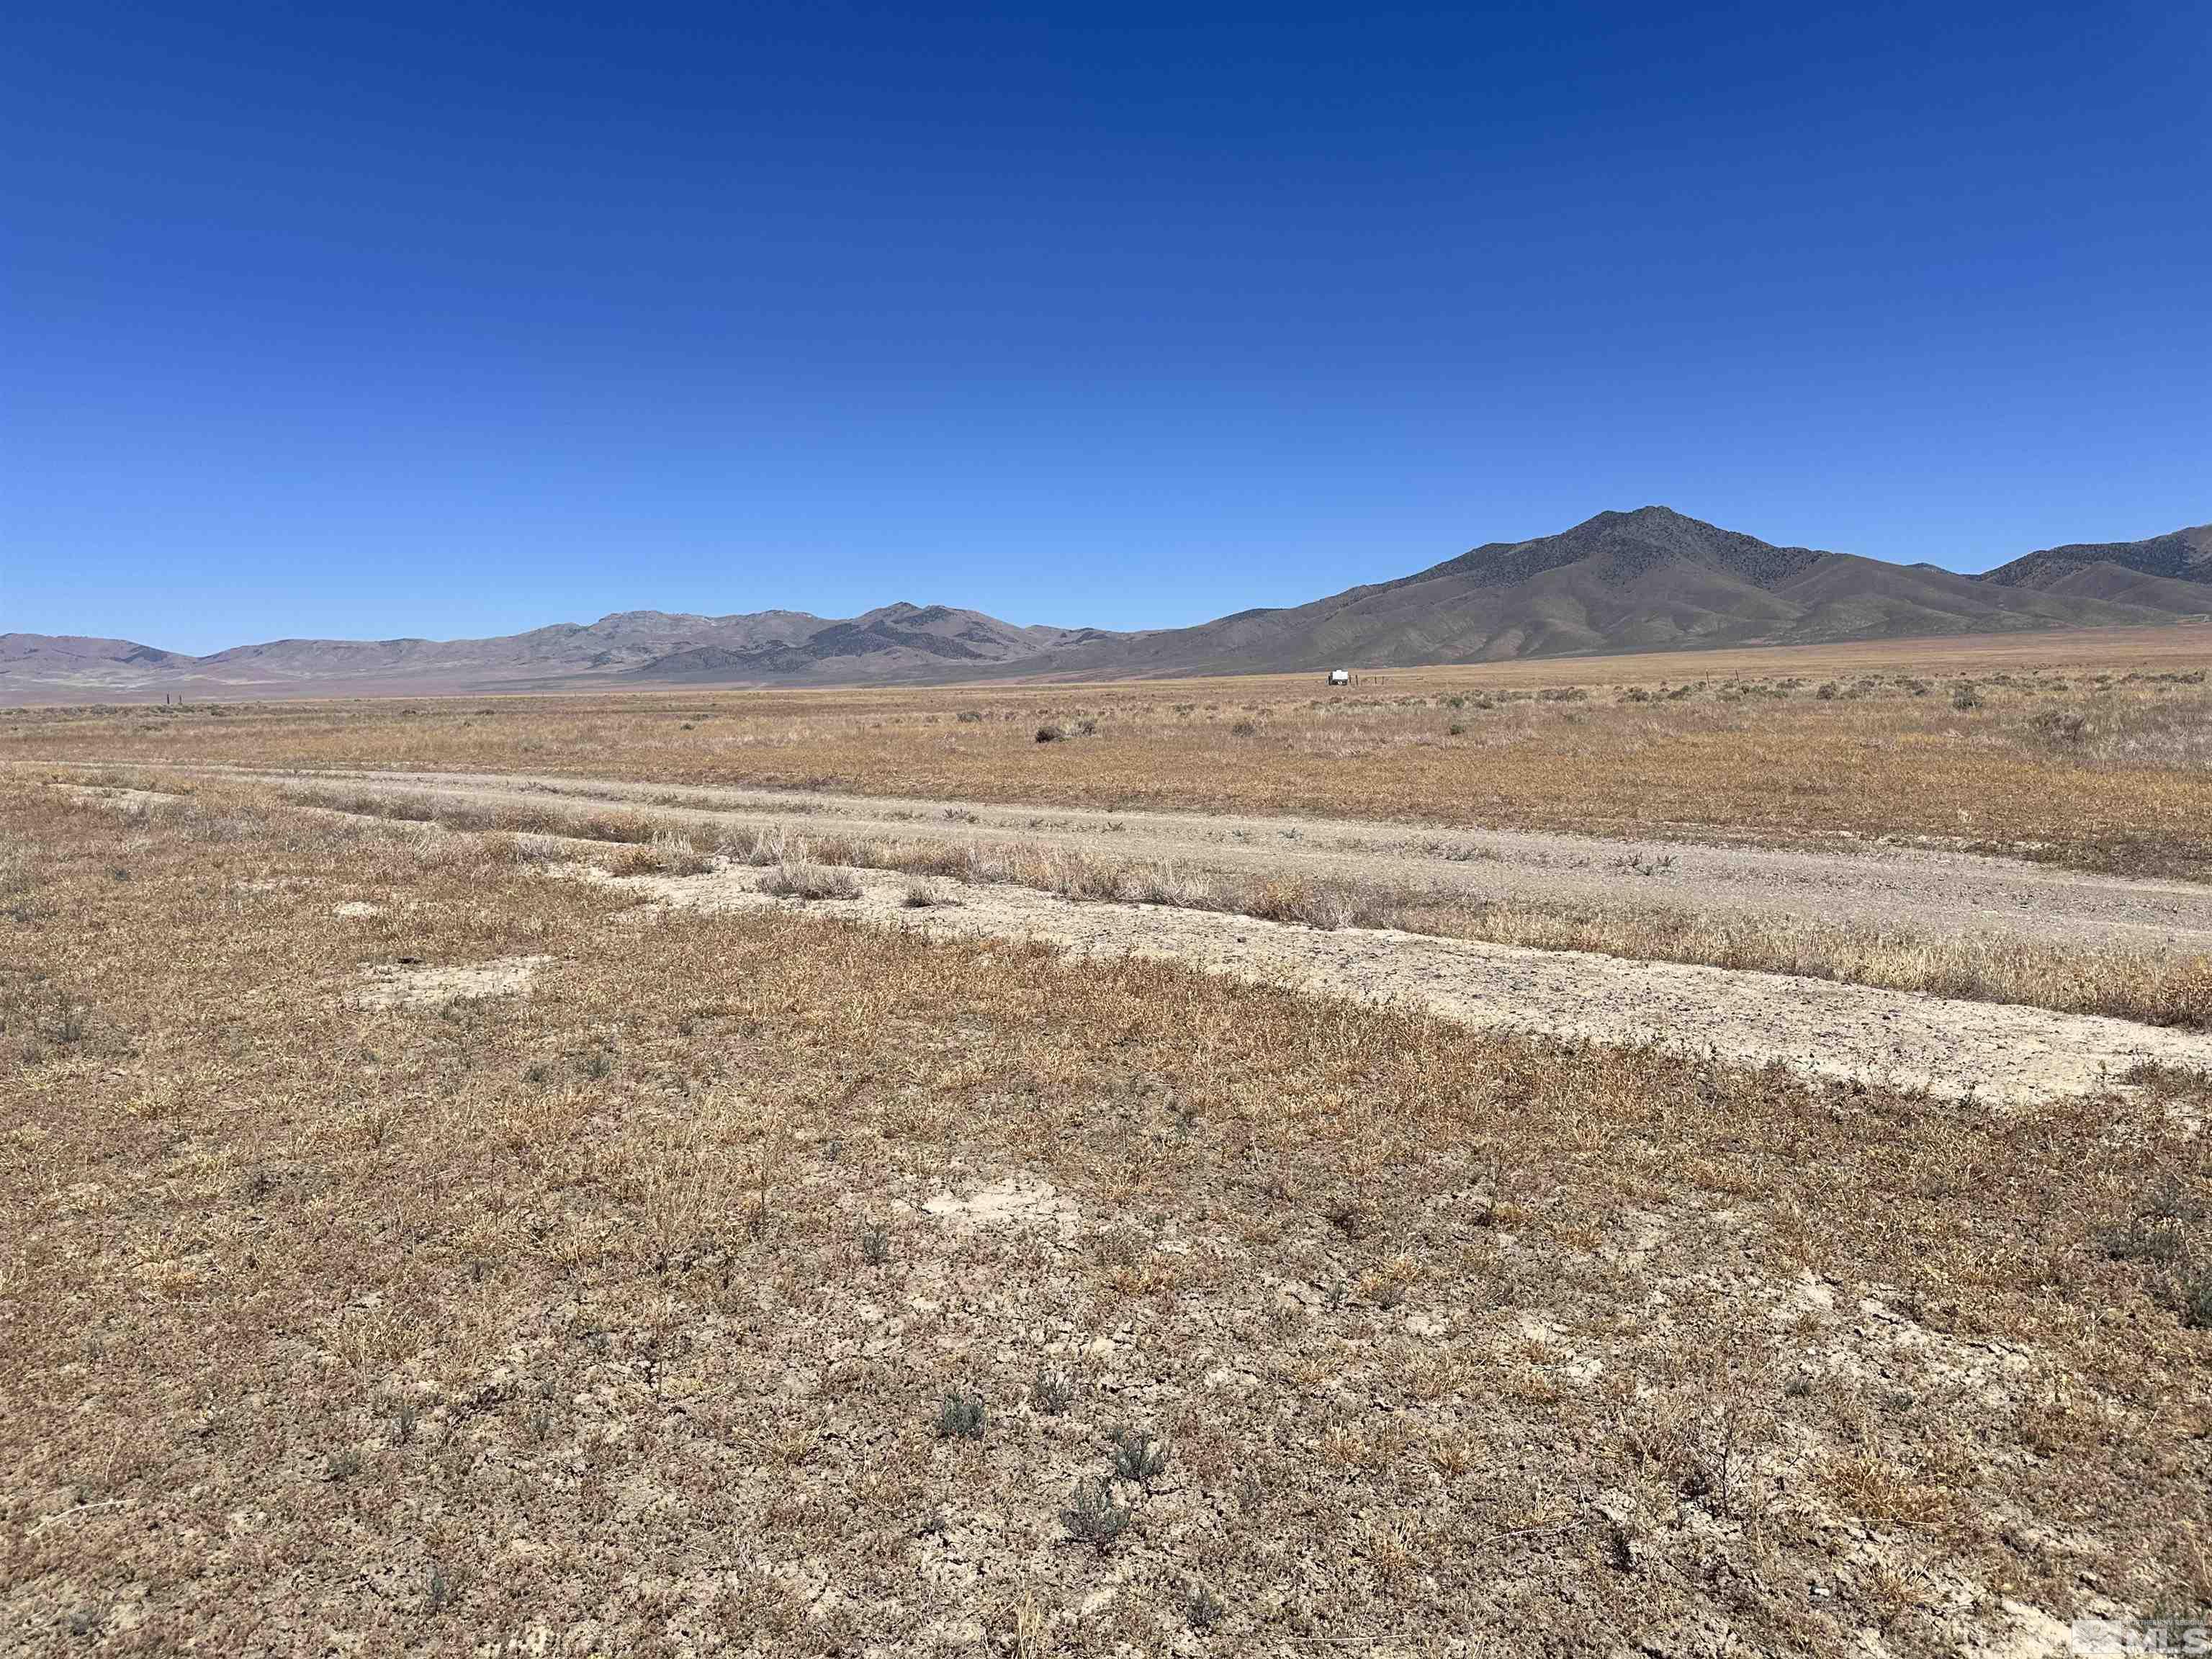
[
  {"x": 1728, "y": 746},
  {"x": 618, "y": 1317}
]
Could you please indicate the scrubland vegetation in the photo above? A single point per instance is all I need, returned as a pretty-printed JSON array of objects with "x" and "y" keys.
[{"x": 759, "y": 1283}]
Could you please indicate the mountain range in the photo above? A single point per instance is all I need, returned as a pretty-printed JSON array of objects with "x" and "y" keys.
[{"x": 1643, "y": 580}]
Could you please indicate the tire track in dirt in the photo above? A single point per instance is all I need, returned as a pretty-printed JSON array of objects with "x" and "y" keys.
[
  {"x": 1999, "y": 1053},
  {"x": 1973, "y": 1051},
  {"x": 1925, "y": 890}
]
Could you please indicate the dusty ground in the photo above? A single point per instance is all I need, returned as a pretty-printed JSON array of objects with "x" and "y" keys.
[
  {"x": 411, "y": 1247},
  {"x": 645, "y": 1303}
]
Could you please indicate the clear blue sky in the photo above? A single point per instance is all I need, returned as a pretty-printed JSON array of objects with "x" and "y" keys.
[{"x": 463, "y": 319}]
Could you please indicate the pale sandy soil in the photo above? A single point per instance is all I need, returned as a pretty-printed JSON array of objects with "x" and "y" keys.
[
  {"x": 1957, "y": 1049},
  {"x": 399, "y": 985}
]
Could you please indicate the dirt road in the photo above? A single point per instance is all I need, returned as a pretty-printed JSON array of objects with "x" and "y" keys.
[
  {"x": 1976, "y": 1051},
  {"x": 1980, "y": 1051},
  {"x": 1928, "y": 891},
  {"x": 1949, "y": 1047}
]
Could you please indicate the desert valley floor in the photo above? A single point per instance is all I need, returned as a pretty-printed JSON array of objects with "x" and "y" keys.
[{"x": 1578, "y": 1158}]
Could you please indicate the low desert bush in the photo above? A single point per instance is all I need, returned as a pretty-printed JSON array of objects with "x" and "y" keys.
[
  {"x": 1139, "y": 1457},
  {"x": 1203, "y": 1608},
  {"x": 1092, "y": 1517},
  {"x": 2062, "y": 727},
  {"x": 1053, "y": 1391},
  {"x": 960, "y": 1416}
]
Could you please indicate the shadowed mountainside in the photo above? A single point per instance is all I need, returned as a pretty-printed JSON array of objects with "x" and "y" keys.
[{"x": 2143, "y": 573}]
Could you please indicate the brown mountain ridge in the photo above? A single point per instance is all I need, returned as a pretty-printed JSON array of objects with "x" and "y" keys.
[{"x": 1643, "y": 580}]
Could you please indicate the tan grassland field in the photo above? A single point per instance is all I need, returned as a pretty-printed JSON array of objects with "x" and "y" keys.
[{"x": 480, "y": 1178}]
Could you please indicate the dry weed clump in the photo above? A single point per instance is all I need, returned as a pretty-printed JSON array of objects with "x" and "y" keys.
[
  {"x": 636, "y": 829},
  {"x": 536, "y": 1321},
  {"x": 666, "y": 854},
  {"x": 810, "y": 881}
]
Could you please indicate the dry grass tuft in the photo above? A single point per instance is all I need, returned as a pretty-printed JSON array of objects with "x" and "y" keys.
[{"x": 666, "y": 854}]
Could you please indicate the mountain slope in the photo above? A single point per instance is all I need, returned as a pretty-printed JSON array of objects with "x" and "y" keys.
[
  {"x": 898, "y": 642},
  {"x": 625, "y": 638},
  {"x": 1649, "y": 580},
  {"x": 2111, "y": 571},
  {"x": 1645, "y": 581},
  {"x": 60, "y": 654}
]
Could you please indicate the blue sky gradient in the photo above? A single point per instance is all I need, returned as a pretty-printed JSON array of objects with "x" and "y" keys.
[{"x": 463, "y": 320}]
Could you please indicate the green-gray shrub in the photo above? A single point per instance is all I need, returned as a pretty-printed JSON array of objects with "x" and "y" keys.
[
  {"x": 1093, "y": 1517},
  {"x": 960, "y": 1416}
]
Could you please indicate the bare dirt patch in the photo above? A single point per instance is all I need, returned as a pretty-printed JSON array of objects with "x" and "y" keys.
[
  {"x": 1018, "y": 1201},
  {"x": 414, "y": 985}
]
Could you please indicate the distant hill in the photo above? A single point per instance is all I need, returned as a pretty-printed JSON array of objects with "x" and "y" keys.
[
  {"x": 1649, "y": 580},
  {"x": 897, "y": 642},
  {"x": 2136, "y": 572},
  {"x": 54, "y": 654}
]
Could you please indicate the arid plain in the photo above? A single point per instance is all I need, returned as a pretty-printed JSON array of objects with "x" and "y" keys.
[{"x": 1686, "y": 1154}]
